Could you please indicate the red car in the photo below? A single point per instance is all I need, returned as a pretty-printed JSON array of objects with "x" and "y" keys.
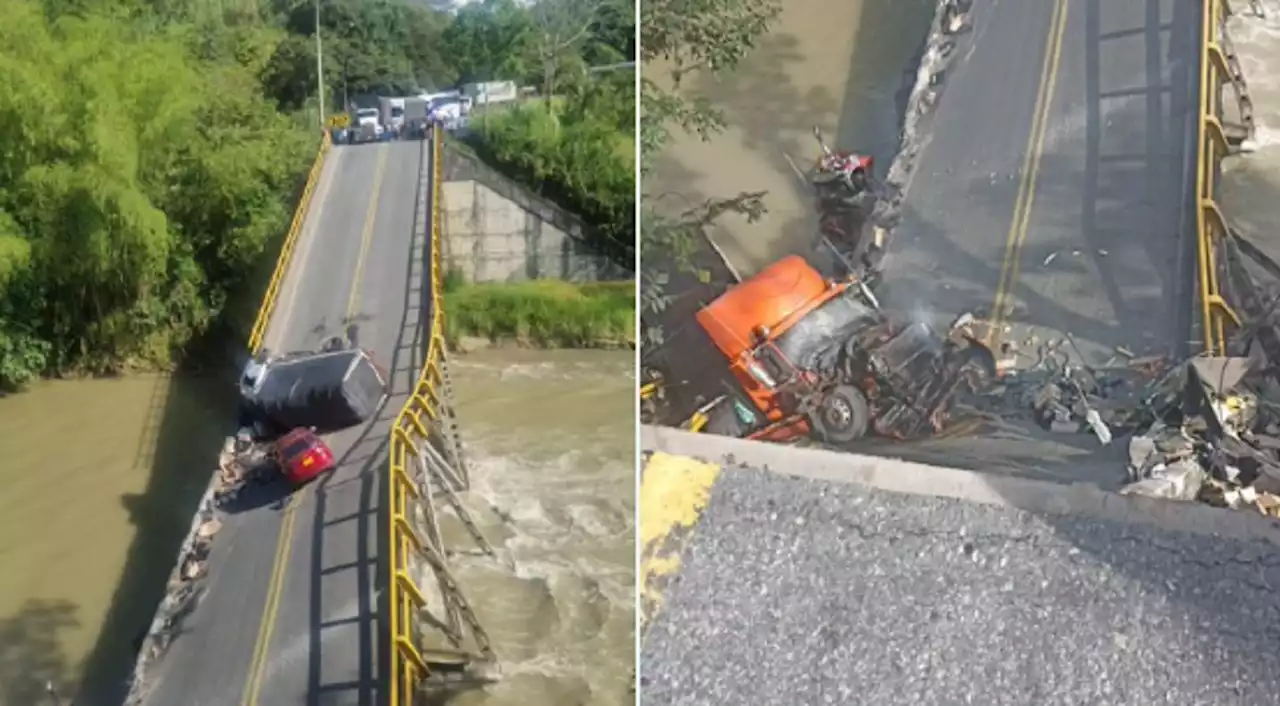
[{"x": 303, "y": 455}]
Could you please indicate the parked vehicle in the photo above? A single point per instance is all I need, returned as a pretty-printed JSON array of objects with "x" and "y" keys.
[
  {"x": 366, "y": 126},
  {"x": 391, "y": 114}
]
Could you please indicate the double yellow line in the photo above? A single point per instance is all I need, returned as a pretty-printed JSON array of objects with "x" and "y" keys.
[
  {"x": 257, "y": 665},
  {"x": 280, "y": 564},
  {"x": 1010, "y": 267}
]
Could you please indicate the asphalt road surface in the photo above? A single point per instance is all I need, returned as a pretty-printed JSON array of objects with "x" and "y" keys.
[
  {"x": 289, "y": 615},
  {"x": 1096, "y": 178},
  {"x": 1050, "y": 190},
  {"x": 812, "y": 584},
  {"x": 1052, "y": 194}
]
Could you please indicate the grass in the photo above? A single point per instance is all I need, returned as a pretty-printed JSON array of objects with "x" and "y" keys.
[{"x": 544, "y": 313}]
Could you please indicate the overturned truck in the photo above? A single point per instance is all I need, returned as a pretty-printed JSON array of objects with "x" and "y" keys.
[
  {"x": 812, "y": 356},
  {"x": 325, "y": 391}
]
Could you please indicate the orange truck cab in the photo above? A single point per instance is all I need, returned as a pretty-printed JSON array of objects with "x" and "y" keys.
[
  {"x": 764, "y": 324},
  {"x": 814, "y": 356}
]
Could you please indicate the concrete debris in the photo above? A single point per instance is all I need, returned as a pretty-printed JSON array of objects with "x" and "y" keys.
[
  {"x": 239, "y": 464},
  {"x": 208, "y": 529},
  {"x": 1207, "y": 429}
]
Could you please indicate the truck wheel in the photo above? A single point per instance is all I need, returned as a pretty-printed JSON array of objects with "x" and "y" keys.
[{"x": 842, "y": 416}]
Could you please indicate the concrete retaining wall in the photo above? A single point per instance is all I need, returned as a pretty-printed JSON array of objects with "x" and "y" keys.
[{"x": 496, "y": 230}]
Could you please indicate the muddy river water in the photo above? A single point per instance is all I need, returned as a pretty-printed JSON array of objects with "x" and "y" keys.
[
  {"x": 551, "y": 442},
  {"x": 100, "y": 478}
]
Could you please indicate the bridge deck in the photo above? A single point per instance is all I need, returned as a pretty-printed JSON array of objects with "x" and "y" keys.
[
  {"x": 1066, "y": 215},
  {"x": 298, "y": 574}
]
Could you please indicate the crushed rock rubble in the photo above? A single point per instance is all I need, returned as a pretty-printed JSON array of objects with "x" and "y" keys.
[{"x": 240, "y": 464}]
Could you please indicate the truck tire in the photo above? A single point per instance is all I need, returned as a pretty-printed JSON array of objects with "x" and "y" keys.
[{"x": 842, "y": 416}]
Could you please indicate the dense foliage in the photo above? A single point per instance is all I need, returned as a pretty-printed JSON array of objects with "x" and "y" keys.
[
  {"x": 579, "y": 149},
  {"x": 152, "y": 150},
  {"x": 141, "y": 177},
  {"x": 578, "y": 155},
  {"x": 547, "y": 313},
  {"x": 681, "y": 38}
]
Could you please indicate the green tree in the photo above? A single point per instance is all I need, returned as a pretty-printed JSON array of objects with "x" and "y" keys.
[
  {"x": 490, "y": 41},
  {"x": 139, "y": 182},
  {"x": 679, "y": 38}
]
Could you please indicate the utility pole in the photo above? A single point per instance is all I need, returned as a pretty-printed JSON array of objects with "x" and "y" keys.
[{"x": 319, "y": 67}]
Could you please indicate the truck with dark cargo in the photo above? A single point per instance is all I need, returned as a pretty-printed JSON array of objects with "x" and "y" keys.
[{"x": 325, "y": 391}]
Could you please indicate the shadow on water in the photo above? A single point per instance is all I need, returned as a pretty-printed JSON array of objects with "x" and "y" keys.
[
  {"x": 187, "y": 445},
  {"x": 30, "y": 656}
]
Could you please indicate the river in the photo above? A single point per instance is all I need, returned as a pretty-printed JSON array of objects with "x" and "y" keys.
[
  {"x": 100, "y": 480},
  {"x": 551, "y": 440},
  {"x": 846, "y": 66},
  {"x": 101, "y": 477}
]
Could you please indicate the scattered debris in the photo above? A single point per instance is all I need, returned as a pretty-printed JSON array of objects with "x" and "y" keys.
[{"x": 1207, "y": 429}]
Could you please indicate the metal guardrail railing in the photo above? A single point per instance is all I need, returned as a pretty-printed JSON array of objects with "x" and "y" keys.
[
  {"x": 269, "y": 298},
  {"x": 1215, "y": 141},
  {"x": 424, "y": 432}
]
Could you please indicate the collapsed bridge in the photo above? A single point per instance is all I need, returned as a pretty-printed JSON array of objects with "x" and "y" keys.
[
  {"x": 1059, "y": 181},
  {"x": 339, "y": 591},
  {"x": 1067, "y": 190}
]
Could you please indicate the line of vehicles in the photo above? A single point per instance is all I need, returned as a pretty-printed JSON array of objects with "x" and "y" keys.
[{"x": 390, "y": 118}]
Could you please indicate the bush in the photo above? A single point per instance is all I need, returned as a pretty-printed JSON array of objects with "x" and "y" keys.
[
  {"x": 579, "y": 160},
  {"x": 137, "y": 196},
  {"x": 547, "y": 313}
]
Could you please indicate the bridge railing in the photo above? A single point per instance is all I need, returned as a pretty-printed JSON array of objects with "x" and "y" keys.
[
  {"x": 425, "y": 462},
  {"x": 1214, "y": 143},
  {"x": 268, "y": 305}
]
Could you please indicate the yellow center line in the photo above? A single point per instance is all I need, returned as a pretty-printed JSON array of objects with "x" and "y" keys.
[
  {"x": 267, "y": 626},
  {"x": 275, "y": 586},
  {"x": 1021, "y": 219},
  {"x": 366, "y": 235}
]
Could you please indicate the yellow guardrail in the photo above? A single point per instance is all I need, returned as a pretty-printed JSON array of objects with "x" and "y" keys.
[
  {"x": 412, "y": 428},
  {"x": 1212, "y": 145},
  {"x": 286, "y": 250}
]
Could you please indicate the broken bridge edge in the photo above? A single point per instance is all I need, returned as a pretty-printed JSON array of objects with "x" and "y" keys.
[{"x": 909, "y": 477}]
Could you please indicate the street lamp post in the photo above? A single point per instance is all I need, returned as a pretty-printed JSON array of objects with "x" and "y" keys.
[{"x": 319, "y": 66}]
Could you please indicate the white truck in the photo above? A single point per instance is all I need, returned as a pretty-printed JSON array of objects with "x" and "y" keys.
[
  {"x": 491, "y": 92},
  {"x": 365, "y": 125},
  {"x": 391, "y": 114}
]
